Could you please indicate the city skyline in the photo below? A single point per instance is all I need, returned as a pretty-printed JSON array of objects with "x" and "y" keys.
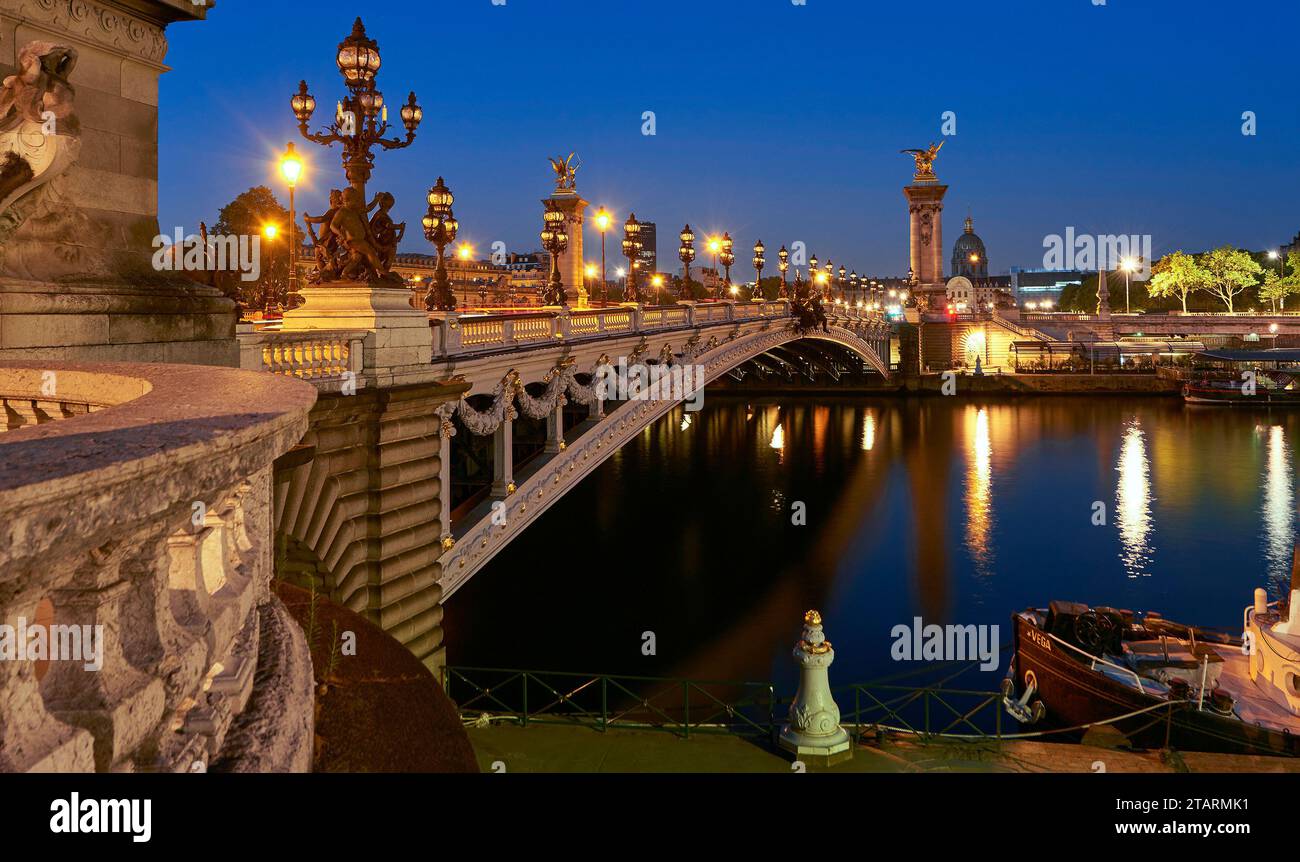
[{"x": 1026, "y": 142}]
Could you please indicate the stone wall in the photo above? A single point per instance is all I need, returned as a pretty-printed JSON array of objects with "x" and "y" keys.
[
  {"x": 76, "y": 274},
  {"x": 135, "y": 504},
  {"x": 363, "y": 498}
]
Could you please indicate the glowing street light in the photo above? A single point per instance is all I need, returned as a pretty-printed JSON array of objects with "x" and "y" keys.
[
  {"x": 783, "y": 264},
  {"x": 555, "y": 239},
  {"x": 632, "y": 251},
  {"x": 440, "y": 228},
  {"x": 270, "y": 231},
  {"x": 726, "y": 258},
  {"x": 1128, "y": 264},
  {"x": 603, "y": 221},
  {"x": 759, "y": 261},
  {"x": 686, "y": 253},
  {"x": 291, "y": 170}
]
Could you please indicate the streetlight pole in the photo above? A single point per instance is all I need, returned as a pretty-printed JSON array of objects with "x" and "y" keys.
[
  {"x": 759, "y": 261},
  {"x": 291, "y": 169},
  {"x": 1128, "y": 265},
  {"x": 783, "y": 264},
  {"x": 602, "y": 225},
  {"x": 361, "y": 120},
  {"x": 727, "y": 259},
  {"x": 440, "y": 228},
  {"x": 686, "y": 253},
  {"x": 555, "y": 239},
  {"x": 270, "y": 302},
  {"x": 632, "y": 251}
]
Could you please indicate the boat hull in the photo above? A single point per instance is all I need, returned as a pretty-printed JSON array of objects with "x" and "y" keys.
[{"x": 1075, "y": 695}]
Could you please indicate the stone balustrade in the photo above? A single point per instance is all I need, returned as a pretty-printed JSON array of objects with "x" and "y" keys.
[
  {"x": 466, "y": 334},
  {"x": 321, "y": 357},
  {"x": 136, "y": 545}
]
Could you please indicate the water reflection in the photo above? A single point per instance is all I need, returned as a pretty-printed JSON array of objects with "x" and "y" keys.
[
  {"x": 1133, "y": 501},
  {"x": 901, "y": 523},
  {"x": 868, "y": 431},
  {"x": 979, "y": 493},
  {"x": 1278, "y": 508}
]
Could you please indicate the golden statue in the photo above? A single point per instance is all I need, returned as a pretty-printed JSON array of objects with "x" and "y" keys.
[
  {"x": 565, "y": 172},
  {"x": 925, "y": 160}
]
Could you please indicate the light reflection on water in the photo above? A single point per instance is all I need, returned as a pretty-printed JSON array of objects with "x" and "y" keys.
[
  {"x": 1133, "y": 501},
  {"x": 979, "y": 492},
  {"x": 1278, "y": 508},
  {"x": 957, "y": 511}
]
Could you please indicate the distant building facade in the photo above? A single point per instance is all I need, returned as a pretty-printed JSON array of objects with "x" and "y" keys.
[
  {"x": 649, "y": 256},
  {"x": 1035, "y": 285}
]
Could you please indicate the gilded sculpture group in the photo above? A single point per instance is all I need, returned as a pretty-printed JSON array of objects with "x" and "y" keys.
[{"x": 351, "y": 248}]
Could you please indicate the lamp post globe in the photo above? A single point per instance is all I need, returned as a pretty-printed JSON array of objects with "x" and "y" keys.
[
  {"x": 440, "y": 228},
  {"x": 686, "y": 253}
]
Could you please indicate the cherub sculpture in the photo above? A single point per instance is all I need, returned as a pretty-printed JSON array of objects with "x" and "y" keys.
[
  {"x": 326, "y": 245},
  {"x": 360, "y": 258},
  {"x": 386, "y": 234}
]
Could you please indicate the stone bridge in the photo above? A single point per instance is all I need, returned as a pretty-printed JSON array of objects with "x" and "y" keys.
[{"x": 408, "y": 482}]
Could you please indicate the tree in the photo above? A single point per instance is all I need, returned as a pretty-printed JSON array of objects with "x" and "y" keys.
[
  {"x": 247, "y": 216},
  {"x": 1176, "y": 276},
  {"x": 1230, "y": 271},
  {"x": 1273, "y": 289}
]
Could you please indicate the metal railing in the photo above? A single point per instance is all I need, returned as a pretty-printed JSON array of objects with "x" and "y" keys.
[
  {"x": 925, "y": 711},
  {"x": 679, "y": 706},
  {"x": 684, "y": 707}
]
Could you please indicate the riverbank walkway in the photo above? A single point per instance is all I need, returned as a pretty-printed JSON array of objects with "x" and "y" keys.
[{"x": 503, "y": 747}]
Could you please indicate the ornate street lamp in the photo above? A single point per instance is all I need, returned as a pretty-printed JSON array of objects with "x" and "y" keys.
[
  {"x": 631, "y": 251},
  {"x": 555, "y": 239},
  {"x": 783, "y": 264},
  {"x": 361, "y": 118},
  {"x": 726, "y": 258},
  {"x": 686, "y": 253},
  {"x": 841, "y": 283},
  {"x": 603, "y": 220},
  {"x": 440, "y": 228},
  {"x": 759, "y": 260},
  {"x": 291, "y": 170}
]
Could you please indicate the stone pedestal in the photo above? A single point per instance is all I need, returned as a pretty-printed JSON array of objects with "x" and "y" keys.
[
  {"x": 814, "y": 734},
  {"x": 77, "y": 274},
  {"x": 398, "y": 346},
  {"x": 925, "y": 215},
  {"x": 573, "y": 206}
]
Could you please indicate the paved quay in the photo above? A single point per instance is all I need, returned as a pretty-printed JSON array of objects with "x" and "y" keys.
[{"x": 571, "y": 749}]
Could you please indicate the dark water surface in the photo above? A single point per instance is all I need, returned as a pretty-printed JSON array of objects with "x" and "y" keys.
[{"x": 954, "y": 511}]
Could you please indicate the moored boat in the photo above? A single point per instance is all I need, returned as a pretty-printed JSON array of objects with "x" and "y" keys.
[
  {"x": 1259, "y": 378},
  {"x": 1160, "y": 683}
]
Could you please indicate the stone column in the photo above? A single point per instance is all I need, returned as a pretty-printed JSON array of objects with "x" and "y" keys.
[
  {"x": 79, "y": 276},
  {"x": 571, "y": 261},
  {"x": 925, "y": 225},
  {"x": 503, "y": 460},
  {"x": 555, "y": 429}
]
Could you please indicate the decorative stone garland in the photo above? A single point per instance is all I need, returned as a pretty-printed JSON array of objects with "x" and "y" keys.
[{"x": 510, "y": 391}]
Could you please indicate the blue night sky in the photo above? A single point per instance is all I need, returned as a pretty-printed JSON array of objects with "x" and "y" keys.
[{"x": 774, "y": 121}]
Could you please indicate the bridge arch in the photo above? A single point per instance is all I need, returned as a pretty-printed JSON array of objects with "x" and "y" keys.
[{"x": 493, "y": 527}]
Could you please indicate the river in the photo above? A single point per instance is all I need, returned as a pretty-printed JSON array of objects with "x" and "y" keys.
[{"x": 954, "y": 511}]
